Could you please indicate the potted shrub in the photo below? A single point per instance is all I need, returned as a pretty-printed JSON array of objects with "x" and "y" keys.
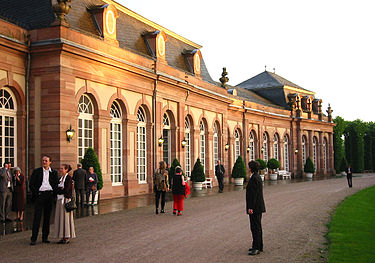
[
  {"x": 343, "y": 166},
  {"x": 262, "y": 167},
  {"x": 172, "y": 171},
  {"x": 239, "y": 171},
  {"x": 309, "y": 168},
  {"x": 273, "y": 164},
  {"x": 91, "y": 160},
  {"x": 197, "y": 175}
]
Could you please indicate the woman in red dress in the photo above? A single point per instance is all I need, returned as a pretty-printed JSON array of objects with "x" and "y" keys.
[{"x": 19, "y": 193}]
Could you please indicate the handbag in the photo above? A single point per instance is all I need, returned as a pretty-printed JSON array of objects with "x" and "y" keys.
[
  {"x": 93, "y": 188},
  {"x": 71, "y": 205}
]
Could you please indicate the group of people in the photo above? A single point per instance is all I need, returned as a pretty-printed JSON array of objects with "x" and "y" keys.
[
  {"x": 12, "y": 192},
  {"x": 48, "y": 186}
]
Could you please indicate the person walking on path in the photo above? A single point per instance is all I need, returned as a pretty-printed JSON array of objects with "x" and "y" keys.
[
  {"x": 160, "y": 185},
  {"x": 219, "y": 172},
  {"x": 178, "y": 190},
  {"x": 91, "y": 182},
  {"x": 79, "y": 178},
  {"x": 64, "y": 223},
  {"x": 19, "y": 193},
  {"x": 6, "y": 189},
  {"x": 349, "y": 176},
  {"x": 43, "y": 185},
  {"x": 255, "y": 207}
]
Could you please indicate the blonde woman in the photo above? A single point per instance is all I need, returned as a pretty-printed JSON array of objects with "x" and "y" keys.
[
  {"x": 64, "y": 224},
  {"x": 160, "y": 185}
]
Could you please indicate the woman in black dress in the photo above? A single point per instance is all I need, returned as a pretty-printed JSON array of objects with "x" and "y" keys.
[{"x": 19, "y": 193}]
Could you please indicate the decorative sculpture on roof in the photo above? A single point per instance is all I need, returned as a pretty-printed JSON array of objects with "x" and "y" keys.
[
  {"x": 61, "y": 9},
  {"x": 224, "y": 79},
  {"x": 329, "y": 111}
]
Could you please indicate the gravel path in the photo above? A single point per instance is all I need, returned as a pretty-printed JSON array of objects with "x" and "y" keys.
[{"x": 212, "y": 229}]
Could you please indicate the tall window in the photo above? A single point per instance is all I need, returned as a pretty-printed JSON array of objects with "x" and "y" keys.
[
  {"x": 237, "y": 150},
  {"x": 167, "y": 139},
  {"x": 7, "y": 128},
  {"x": 315, "y": 151},
  {"x": 141, "y": 146},
  {"x": 265, "y": 147},
  {"x": 216, "y": 144},
  {"x": 325, "y": 154},
  {"x": 116, "y": 143},
  {"x": 202, "y": 139},
  {"x": 286, "y": 153},
  {"x": 85, "y": 125},
  {"x": 304, "y": 150},
  {"x": 276, "y": 147},
  {"x": 252, "y": 146},
  {"x": 187, "y": 147}
]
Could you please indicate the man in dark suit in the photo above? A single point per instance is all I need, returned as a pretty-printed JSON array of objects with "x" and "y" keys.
[
  {"x": 43, "y": 185},
  {"x": 255, "y": 207},
  {"x": 219, "y": 172},
  {"x": 349, "y": 176},
  {"x": 6, "y": 189},
  {"x": 79, "y": 178}
]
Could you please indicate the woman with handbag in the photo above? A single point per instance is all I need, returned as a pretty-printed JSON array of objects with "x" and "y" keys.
[
  {"x": 19, "y": 193},
  {"x": 178, "y": 190},
  {"x": 160, "y": 186},
  {"x": 91, "y": 182},
  {"x": 64, "y": 223}
]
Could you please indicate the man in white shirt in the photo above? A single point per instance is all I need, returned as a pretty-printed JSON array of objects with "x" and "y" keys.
[
  {"x": 43, "y": 185},
  {"x": 6, "y": 189}
]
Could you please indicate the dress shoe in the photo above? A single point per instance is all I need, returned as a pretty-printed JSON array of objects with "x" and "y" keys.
[
  {"x": 66, "y": 241},
  {"x": 260, "y": 250},
  {"x": 46, "y": 241},
  {"x": 162, "y": 211},
  {"x": 32, "y": 243},
  {"x": 61, "y": 241},
  {"x": 157, "y": 211},
  {"x": 254, "y": 252}
]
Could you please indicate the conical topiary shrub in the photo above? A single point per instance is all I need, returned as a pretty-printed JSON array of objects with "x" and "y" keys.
[
  {"x": 239, "y": 169},
  {"x": 172, "y": 169},
  {"x": 197, "y": 175},
  {"x": 309, "y": 166},
  {"x": 91, "y": 160},
  {"x": 343, "y": 164}
]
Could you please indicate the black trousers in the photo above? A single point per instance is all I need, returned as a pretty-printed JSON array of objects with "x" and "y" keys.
[
  {"x": 43, "y": 204},
  {"x": 256, "y": 230},
  {"x": 157, "y": 197},
  {"x": 350, "y": 183},
  {"x": 80, "y": 194},
  {"x": 93, "y": 193},
  {"x": 220, "y": 180}
]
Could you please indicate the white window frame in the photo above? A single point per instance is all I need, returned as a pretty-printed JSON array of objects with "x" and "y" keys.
[
  {"x": 304, "y": 153},
  {"x": 85, "y": 120},
  {"x": 116, "y": 144},
  {"x": 237, "y": 147},
  {"x": 265, "y": 147},
  {"x": 276, "y": 152},
  {"x": 202, "y": 140},
  {"x": 141, "y": 146},
  {"x": 325, "y": 154},
  {"x": 215, "y": 144},
  {"x": 315, "y": 151},
  {"x": 252, "y": 146},
  {"x": 286, "y": 153},
  {"x": 167, "y": 139},
  {"x": 187, "y": 148},
  {"x": 8, "y": 109}
]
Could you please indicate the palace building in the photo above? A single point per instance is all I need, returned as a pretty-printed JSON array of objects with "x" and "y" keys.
[{"x": 139, "y": 93}]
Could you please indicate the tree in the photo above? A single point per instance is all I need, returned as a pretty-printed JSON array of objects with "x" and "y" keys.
[
  {"x": 172, "y": 170},
  {"x": 239, "y": 169},
  {"x": 309, "y": 166},
  {"x": 273, "y": 164},
  {"x": 354, "y": 144},
  {"x": 344, "y": 164},
  {"x": 91, "y": 160},
  {"x": 338, "y": 142},
  {"x": 197, "y": 175},
  {"x": 262, "y": 164}
]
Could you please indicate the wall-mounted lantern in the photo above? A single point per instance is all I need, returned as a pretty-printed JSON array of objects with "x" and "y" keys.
[
  {"x": 226, "y": 147},
  {"x": 248, "y": 149},
  {"x": 296, "y": 151},
  {"x": 183, "y": 143},
  {"x": 160, "y": 141},
  {"x": 70, "y": 133}
]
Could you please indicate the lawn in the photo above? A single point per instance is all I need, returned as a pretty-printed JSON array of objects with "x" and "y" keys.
[{"x": 352, "y": 229}]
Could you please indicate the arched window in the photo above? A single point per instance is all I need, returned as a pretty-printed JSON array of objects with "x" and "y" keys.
[
  {"x": 8, "y": 130},
  {"x": 141, "y": 146},
  {"x": 116, "y": 143},
  {"x": 167, "y": 139},
  {"x": 265, "y": 147},
  {"x": 276, "y": 147},
  {"x": 85, "y": 125},
  {"x": 252, "y": 146},
  {"x": 325, "y": 154},
  {"x": 187, "y": 147},
  {"x": 202, "y": 139},
  {"x": 237, "y": 151},
  {"x": 286, "y": 153},
  {"x": 304, "y": 150},
  {"x": 315, "y": 151},
  {"x": 216, "y": 144}
]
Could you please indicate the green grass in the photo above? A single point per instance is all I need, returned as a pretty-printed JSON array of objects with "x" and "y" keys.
[{"x": 352, "y": 229}]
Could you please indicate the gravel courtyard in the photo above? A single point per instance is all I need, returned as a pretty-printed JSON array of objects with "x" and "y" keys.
[{"x": 212, "y": 229}]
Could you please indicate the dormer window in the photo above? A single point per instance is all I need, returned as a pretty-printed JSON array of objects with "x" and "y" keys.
[
  {"x": 155, "y": 42},
  {"x": 105, "y": 18},
  {"x": 317, "y": 106},
  {"x": 193, "y": 60},
  {"x": 306, "y": 103}
]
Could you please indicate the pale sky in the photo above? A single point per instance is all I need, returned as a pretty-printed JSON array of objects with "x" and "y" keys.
[{"x": 324, "y": 46}]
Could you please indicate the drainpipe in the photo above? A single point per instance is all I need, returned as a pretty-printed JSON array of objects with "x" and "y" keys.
[
  {"x": 27, "y": 82},
  {"x": 154, "y": 117},
  {"x": 244, "y": 131}
]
